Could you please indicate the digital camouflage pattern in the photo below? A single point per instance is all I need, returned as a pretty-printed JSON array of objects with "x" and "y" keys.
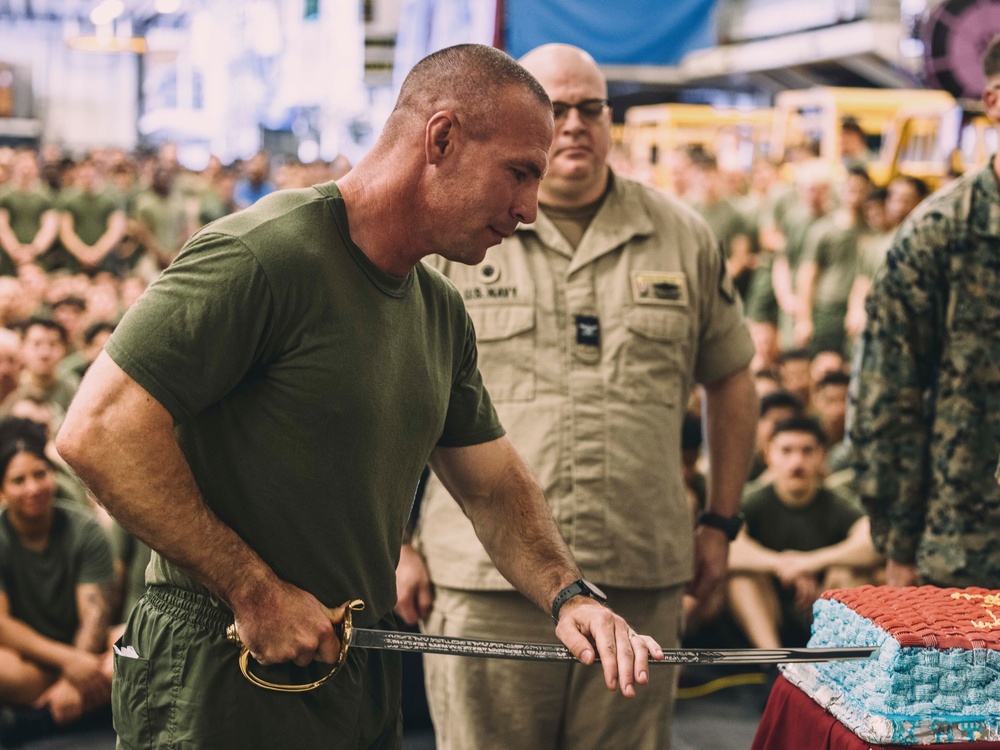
[{"x": 925, "y": 394}]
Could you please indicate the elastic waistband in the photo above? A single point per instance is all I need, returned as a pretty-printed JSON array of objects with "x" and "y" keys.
[{"x": 199, "y": 610}]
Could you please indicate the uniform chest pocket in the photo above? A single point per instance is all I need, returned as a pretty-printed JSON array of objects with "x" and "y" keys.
[
  {"x": 505, "y": 335},
  {"x": 656, "y": 354}
]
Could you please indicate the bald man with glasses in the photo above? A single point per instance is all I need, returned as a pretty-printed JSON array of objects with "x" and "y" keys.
[{"x": 594, "y": 323}]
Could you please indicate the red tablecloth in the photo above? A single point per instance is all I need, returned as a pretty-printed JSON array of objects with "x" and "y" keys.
[{"x": 793, "y": 721}]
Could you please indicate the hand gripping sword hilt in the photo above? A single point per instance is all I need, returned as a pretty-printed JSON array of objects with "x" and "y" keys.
[{"x": 346, "y": 632}]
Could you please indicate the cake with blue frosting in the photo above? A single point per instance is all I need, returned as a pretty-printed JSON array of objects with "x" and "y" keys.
[{"x": 935, "y": 677}]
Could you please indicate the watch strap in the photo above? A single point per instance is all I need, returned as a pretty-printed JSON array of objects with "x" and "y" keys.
[
  {"x": 729, "y": 525},
  {"x": 579, "y": 587}
]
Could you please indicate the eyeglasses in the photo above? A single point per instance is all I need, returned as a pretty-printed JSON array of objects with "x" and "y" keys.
[{"x": 589, "y": 109}]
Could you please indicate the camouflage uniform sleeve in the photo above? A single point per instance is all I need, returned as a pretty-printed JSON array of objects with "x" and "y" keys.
[{"x": 895, "y": 365}]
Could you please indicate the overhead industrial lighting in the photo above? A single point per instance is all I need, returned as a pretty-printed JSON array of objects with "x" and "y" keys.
[
  {"x": 114, "y": 34},
  {"x": 106, "y": 12},
  {"x": 95, "y": 43}
]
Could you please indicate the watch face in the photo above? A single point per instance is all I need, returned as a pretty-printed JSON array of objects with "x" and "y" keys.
[{"x": 593, "y": 588}]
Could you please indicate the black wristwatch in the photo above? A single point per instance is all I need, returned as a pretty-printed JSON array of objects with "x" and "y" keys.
[
  {"x": 731, "y": 525},
  {"x": 577, "y": 588}
]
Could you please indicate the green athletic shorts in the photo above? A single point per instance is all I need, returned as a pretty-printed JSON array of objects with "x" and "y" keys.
[{"x": 178, "y": 685}]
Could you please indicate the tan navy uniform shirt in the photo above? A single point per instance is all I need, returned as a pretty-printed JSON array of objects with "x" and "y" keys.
[{"x": 589, "y": 357}]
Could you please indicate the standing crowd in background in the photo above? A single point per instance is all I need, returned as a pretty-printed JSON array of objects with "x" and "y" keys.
[{"x": 803, "y": 240}]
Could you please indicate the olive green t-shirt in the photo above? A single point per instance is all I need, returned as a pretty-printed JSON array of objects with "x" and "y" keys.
[
  {"x": 25, "y": 210},
  {"x": 823, "y": 522},
  {"x": 725, "y": 221},
  {"x": 90, "y": 211},
  {"x": 165, "y": 217},
  {"x": 308, "y": 387},
  {"x": 794, "y": 224},
  {"x": 872, "y": 249},
  {"x": 41, "y": 586},
  {"x": 834, "y": 250}
]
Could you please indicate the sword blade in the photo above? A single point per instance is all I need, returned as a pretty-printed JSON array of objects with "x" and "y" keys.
[{"x": 389, "y": 640}]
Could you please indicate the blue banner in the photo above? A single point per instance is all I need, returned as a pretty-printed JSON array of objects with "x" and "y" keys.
[{"x": 627, "y": 32}]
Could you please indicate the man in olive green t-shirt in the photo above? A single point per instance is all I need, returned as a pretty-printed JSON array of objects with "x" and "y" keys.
[
  {"x": 93, "y": 222},
  {"x": 261, "y": 416},
  {"x": 799, "y": 539},
  {"x": 828, "y": 268},
  {"x": 29, "y": 221}
]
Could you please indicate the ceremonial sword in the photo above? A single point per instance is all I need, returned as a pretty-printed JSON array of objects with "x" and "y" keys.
[{"x": 391, "y": 640}]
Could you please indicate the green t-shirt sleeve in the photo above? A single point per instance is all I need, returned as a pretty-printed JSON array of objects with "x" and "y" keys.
[
  {"x": 94, "y": 550},
  {"x": 752, "y": 506},
  {"x": 191, "y": 338},
  {"x": 471, "y": 418}
]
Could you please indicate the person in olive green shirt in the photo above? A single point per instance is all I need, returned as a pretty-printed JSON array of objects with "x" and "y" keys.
[
  {"x": 729, "y": 226},
  {"x": 93, "y": 222},
  {"x": 55, "y": 565},
  {"x": 262, "y": 414},
  {"x": 829, "y": 266},
  {"x": 799, "y": 539},
  {"x": 29, "y": 221},
  {"x": 159, "y": 219},
  {"x": 810, "y": 202}
]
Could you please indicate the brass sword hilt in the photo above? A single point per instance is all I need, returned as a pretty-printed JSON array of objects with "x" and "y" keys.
[{"x": 346, "y": 632}]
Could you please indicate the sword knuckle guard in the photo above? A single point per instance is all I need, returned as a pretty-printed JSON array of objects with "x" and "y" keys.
[{"x": 346, "y": 633}]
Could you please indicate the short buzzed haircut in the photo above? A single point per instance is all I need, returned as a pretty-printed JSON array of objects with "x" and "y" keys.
[
  {"x": 857, "y": 170},
  {"x": 991, "y": 58},
  {"x": 473, "y": 75},
  {"x": 46, "y": 323},
  {"x": 835, "y": 377},
  {"x": 808, "y": 425},
  {"x": 921, "y": 188},
  {"x": 792, "y": 355},
  {"x": 780, "y": 400}
]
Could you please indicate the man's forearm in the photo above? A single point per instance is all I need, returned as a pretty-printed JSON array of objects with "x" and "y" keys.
[
  {"x": 730, "y": 421},
  {"x": 111, "y": 237},
  {"x": 747, "y": 555},
  {"x": 73, "y": 244},
  {"x": 521, "y": 537},
  {"x": 31, "y": 644},
  {"x": 514, "y": 524},
  {"x": 8, "y": 241},
  {"x": 47, "y": 233},
  {"x": 805, "y": 283}
]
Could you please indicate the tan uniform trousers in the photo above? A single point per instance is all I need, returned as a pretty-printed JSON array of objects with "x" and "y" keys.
[{"x": 480, "y": 704}]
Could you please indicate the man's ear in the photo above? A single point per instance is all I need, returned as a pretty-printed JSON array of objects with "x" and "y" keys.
[
  {"x": 991, "y": 102},
  {"x": 441, "y": 136}
]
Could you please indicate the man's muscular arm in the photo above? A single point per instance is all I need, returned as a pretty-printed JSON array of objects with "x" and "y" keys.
[{"x": 121, "y": 442}]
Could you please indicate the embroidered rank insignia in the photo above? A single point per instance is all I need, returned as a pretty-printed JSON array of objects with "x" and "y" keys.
[
  {"x": 660, "y": 288},
  {"x": 588, "y": 330}
]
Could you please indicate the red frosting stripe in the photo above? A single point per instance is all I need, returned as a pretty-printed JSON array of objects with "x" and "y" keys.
[{"x": 928, "y": 616}]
